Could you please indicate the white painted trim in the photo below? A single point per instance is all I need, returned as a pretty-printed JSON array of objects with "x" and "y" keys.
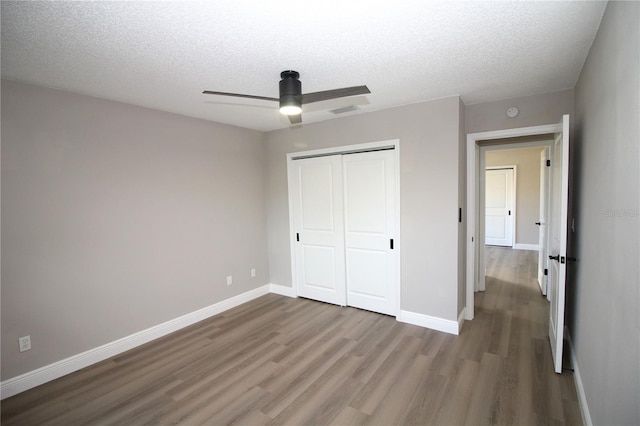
[
  {"x": 398, "y": 247},
  {"x": 522, "y": 246},
  {"x": 473, "y": 165},
  {"x": 77, "y": 362},
  {"x": 74, "y": 363},
  {"x": 343, "y": 148},
  {"x": 282, "y": 290},
  {"x": 461, "y": 318},
  {"x": 472, "y": 239},
  {"x": 63, "y": 367},
  {"x": 514, "y": 205},
  {"x": 577, "y": 378},
  {"x": 427, "y": 321},
  {"x": 481, "y": 218}
]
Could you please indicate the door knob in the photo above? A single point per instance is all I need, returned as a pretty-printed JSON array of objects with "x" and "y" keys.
[
  {"x": 556, "y": 258},
  {"x": 538, "y": 223}
]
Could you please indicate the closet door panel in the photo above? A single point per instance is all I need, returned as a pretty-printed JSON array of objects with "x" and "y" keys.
[
  {"x": 369, "y": 197},
  {"x": 318, "y": 216}
]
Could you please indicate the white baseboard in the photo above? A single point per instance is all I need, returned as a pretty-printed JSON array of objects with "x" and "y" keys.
[
  {"x": 427, "y": 321},
  {"x": 461, "y": 319},
  {"x": 577, "y": 378},
  {"x": 542, "y": 284},
  {"x": 61, "y": 368},
  {"x": 66, "y": 366},
  {"x": 282, "y": 290},
  {"x": 519, "y": 246}
]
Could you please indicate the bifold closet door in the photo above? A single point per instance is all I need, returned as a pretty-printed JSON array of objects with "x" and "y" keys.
[
  {"x": 318, "y": 216},
  {"x": 369, "y": 197}
]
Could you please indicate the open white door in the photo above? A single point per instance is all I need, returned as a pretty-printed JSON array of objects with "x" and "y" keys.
[
  {"x": 369, "y": 194},
  {"x": 499, "y": 207},
  {"x": 318, "y": 217},
  {"x": 543, "y": 222},
  {"x": 558, "y": 241}
]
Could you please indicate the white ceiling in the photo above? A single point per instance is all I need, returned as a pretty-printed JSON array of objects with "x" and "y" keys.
[{"x": 163, "y": 54}]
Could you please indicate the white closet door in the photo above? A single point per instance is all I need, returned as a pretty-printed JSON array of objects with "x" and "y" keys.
[
  {"x": 499, "y": 206},
  {"x": 369, "y": 194},
  {"x": 318, "y": 213}
]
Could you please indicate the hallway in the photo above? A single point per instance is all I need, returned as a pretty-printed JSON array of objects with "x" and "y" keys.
[{"x": 513, "y": 318}]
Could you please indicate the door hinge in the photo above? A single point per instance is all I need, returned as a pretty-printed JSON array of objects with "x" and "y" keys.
[
  {"x": 391, "y": 243},
  {"x": 548, "y": 163},
  {"x": 546, "y": 271},
  {"x": 460, "y": 215}
]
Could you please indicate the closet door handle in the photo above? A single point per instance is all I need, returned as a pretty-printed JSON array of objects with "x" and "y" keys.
[{"x": 391, "y": 243}]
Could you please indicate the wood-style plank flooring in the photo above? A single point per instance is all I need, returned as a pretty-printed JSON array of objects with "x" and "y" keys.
[{"x": 278, "y": 360}]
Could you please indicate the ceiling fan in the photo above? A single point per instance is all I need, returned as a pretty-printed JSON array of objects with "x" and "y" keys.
[{"x": 291, "y": 97}]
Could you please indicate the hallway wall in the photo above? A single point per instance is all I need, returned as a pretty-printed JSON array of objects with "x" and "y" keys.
[{"x": 604, "y": 294}]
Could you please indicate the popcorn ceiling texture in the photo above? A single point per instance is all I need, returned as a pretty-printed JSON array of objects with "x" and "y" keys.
[{"x": 163, "y": 54}]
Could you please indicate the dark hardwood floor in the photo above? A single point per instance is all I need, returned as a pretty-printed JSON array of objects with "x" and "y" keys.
[{"x": 278, "y": 360}]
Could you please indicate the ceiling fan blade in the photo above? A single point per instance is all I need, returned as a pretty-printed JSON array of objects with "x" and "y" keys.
[
  {"x": 239, "y": 95},
  {"x": 295, "y": 119},
  {"x": 308, "y": 98}
]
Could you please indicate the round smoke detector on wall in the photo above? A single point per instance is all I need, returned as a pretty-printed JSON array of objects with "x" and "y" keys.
[{"x": 512, "y": 112}]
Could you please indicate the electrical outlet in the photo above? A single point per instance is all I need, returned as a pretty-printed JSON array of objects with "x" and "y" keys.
[
  {"x": 253, "y": 272},
  {"x": 229, "y": 280},
  {"x": 25, "y": 343}
]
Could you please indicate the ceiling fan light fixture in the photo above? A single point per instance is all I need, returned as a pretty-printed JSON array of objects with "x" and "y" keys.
[
  {"x": 290, "y": 109},
  {"x": 291, "y": 97},
  {"x": 290, "y": 93}
]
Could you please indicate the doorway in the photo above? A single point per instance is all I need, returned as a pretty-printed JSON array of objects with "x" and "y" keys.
[
  {"x": 521, "y": 154},
  {"x": 531, "y": 172},
  {"x": 476, "y": 143}
]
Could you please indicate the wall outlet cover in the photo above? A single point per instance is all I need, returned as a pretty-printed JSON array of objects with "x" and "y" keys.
[{"x": 25, "y": 343}]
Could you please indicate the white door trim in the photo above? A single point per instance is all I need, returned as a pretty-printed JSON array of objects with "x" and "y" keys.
[
  {"x": 475, "y": 227},
  {"x": 371, "y": 146},
  {"x": 543, "y": 232}
]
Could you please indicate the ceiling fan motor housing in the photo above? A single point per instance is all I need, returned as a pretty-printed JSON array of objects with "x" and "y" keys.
[{"x": 290, "y": 89}]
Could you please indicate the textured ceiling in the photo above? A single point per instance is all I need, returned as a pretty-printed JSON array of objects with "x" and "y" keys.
[{"x": 163, "y": 54}]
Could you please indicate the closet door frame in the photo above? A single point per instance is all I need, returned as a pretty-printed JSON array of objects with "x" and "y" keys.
[{"x": 348, "y": 149}]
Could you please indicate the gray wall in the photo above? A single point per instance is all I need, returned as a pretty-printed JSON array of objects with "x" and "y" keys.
[
  {"x": 116, "y": 218},
  {"x": 429, "y": 135},
  {"x": 535, "y": 110},
  {"x": 527, "y": 188},
  {"x": 604, "y": 314}
]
